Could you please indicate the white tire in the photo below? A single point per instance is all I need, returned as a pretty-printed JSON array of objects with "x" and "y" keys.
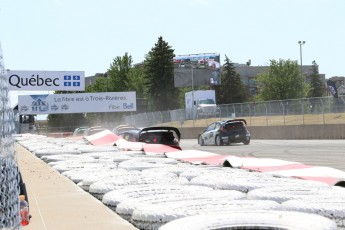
[
  {"x": 154, "y": 216},
  {"x": 282, "y": 194},
  {"x": 330, "y": 207},
  {"x": 113, "y": 198},
  {"x": 245, "y": 181},
  {"x": 126, "y": 208},
  {"x": 252, "y": 220}
]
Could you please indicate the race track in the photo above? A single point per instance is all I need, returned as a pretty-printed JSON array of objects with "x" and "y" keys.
[{"x": 329, "y": 153}]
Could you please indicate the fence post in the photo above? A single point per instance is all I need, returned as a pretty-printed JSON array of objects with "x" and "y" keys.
[
  {"x": 323, "y": 111},
  {"x": 250, "y": 114},
  {"x": 302, "y": 108},
  {"x": 234, "y": 109},
  {"x": 160, "y": 112},
  {"x": 283, "y": 111},
  {"x": 266, "y": 114}
]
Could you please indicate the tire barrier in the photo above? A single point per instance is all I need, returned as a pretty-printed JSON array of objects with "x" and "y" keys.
[
  {"x": 115, "y": 197},
  {"x": 99, "y": 188},
  {"x": 121, "y": 155},
  {"x": 58, "y": 158},
  {"x": 146, "y": 163},
  {"x": 45, "y": 152},
  {"x": 213, "y": 171},
  {"x": 151, "y": 160},
  {"x": 150, "y": 190},
  {"x": 246, "y": 182},
  {"x": 285, "y": 193},
  {"x": 125, "y": 208},
  {"x": 252, "y": 220},
  {"x": 330, "y": 207},
  {"x": 9, "y": 174},
  {"x": 83, "y": 163},
  {"x": 93, "y": 149},
  {"x": 77, "y": 176},
  {"x": 179, "y": 169},
  {"x": 154, "y": 216},
  {"x": 39, "y": 146}
]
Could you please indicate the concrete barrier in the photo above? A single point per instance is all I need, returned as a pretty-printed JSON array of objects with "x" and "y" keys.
[
  {"x": 291, "y": 132},
  {"x": 60, "y": 135}
]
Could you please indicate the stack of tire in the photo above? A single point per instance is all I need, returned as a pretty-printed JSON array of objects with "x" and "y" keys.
[{"x": 153, "y": 192}]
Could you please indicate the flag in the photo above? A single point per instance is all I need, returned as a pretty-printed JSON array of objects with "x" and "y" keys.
[{"x": 332, "y": 88}]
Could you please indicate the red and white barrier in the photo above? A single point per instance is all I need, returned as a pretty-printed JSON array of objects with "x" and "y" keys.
[
  {"x": 105, "y": 137},
  {"x": 266, "y": 165},
  {"x": 277, "y": 167}
]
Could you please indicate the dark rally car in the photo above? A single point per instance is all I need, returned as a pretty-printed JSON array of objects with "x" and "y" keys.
[
  {"x": 165, "y": 135},
  {"x": 225, "y": 132}
]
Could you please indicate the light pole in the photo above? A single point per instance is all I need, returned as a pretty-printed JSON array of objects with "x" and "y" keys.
[
  {"x": 300, "y": 53},
  {"x": 192, "y": 93}
]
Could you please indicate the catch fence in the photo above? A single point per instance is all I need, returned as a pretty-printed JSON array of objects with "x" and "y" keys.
[
  {"x": 318, "y": 110},
  {"x": 9, "y": 174}
]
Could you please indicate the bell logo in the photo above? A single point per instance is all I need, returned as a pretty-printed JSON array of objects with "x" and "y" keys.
[{"x": 128, "y": 106}]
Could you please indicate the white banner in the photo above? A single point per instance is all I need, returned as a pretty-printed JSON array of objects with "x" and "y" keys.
[
  {"x": 77, "y": 103},
  {"x": 46, "y": 80}
]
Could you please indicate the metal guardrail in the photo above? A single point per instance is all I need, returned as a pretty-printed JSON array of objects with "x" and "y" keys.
[{"x": 319, "y": 110}]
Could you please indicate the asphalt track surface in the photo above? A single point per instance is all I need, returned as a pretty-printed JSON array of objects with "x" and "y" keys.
[{"x": 329, "y": 153}]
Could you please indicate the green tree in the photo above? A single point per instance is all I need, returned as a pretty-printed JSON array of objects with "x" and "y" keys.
[
  {"x": 282, "y": 81},
  {"x": 118, "y": 73},
  {"x": 231, "y": 90},
  {"x": 116, "y": 79},
  {"x": 136, "y": 81},
  {"x": 159, "y": 77},
  {"x": 316, "y": 84},
  {"x": 100, "y": 85}
]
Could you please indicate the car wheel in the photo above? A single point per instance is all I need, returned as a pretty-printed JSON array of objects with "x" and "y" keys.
[
  {"x": 246, "y": 142},
  {"x": 201, "y": 141},
  {"x": 218, "y": 141}
]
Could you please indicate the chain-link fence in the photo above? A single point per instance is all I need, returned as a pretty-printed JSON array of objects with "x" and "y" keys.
[
  {"x": 9, "y": 176},
  {"x": 320, "y": 110}
]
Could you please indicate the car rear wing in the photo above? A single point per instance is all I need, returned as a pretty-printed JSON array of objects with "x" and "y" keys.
[
  {"x": 162, "y": 128},
  {"x": 232, "y": 120}
]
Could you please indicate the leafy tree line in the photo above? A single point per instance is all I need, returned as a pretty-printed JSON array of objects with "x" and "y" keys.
[
  {"x": 283, "y": 80},
  {"x": 153, "y": 81}
]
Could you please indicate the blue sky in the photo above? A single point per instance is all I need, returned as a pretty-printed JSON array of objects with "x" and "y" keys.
[{"x": 85, "y": 35}]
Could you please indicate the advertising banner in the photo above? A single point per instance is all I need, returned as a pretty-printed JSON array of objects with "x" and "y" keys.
[
  {"x": 77, "y": 103},
  {"x": 197, "y": 69},
  {"x": 33, "y": 80}
]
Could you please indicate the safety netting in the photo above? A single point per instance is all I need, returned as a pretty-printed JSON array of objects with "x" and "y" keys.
[{"x": 9, "y": 174}]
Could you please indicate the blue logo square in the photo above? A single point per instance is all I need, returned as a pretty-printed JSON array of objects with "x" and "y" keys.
[
  {"x": 76, "y": 78},
  {"x": 67, "y": 77},
  {"x": 67, "y": 84},
  {"x": 76, "y": 83}
]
